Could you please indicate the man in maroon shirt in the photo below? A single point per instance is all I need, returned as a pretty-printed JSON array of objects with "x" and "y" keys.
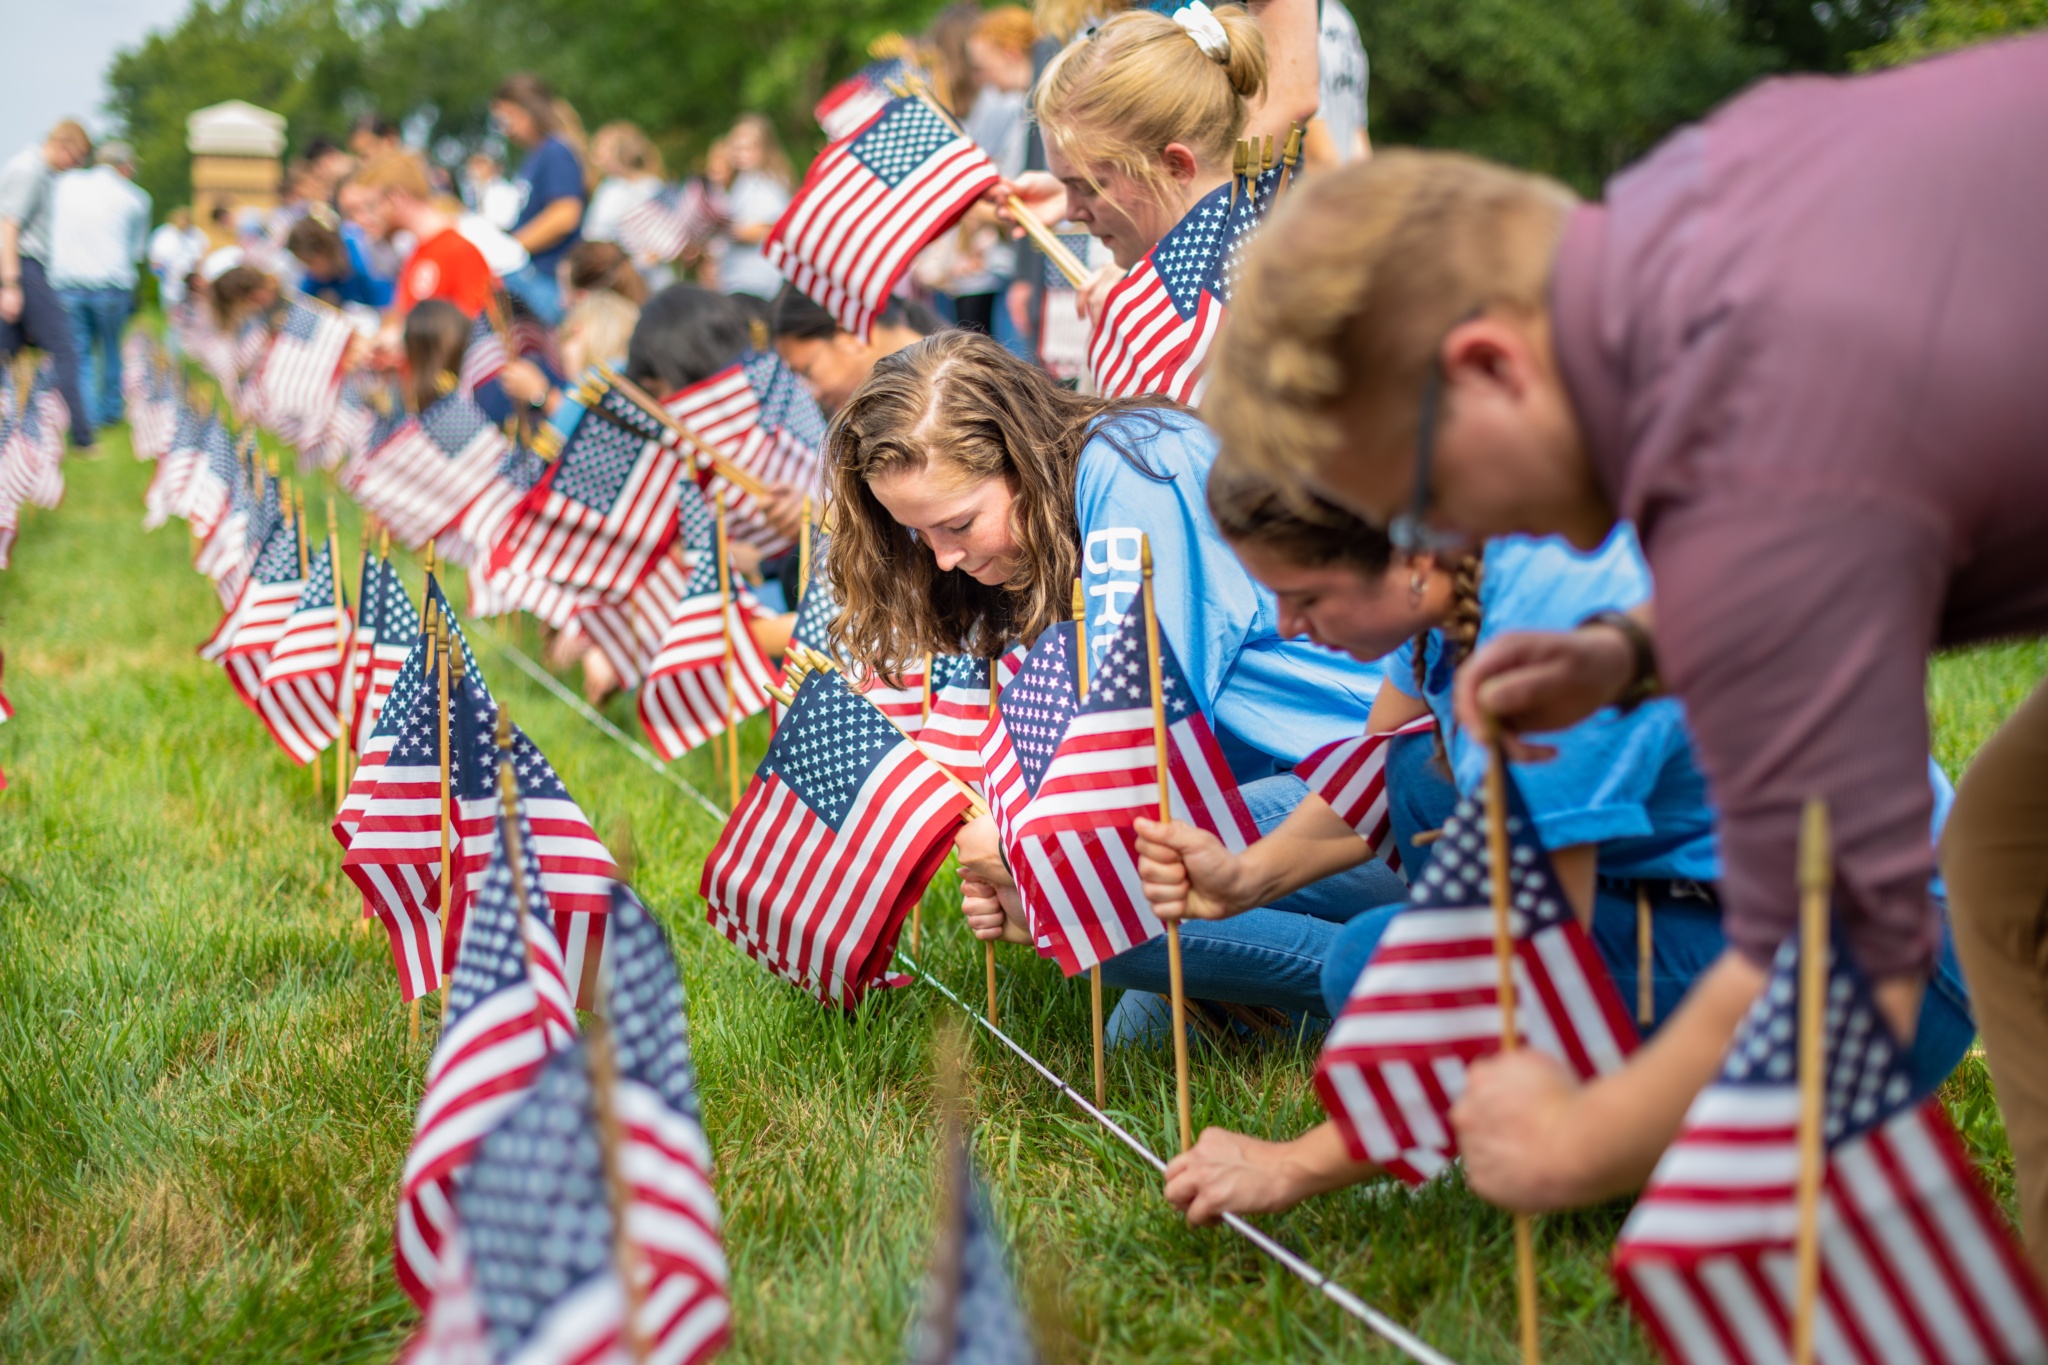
[{"x": 1804, "y": 348}]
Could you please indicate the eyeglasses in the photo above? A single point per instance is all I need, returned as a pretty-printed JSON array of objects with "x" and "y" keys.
[{"x": 1410, "y": 531}]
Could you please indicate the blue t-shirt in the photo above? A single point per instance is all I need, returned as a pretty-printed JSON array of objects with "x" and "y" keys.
[
  {"x": 550, "y": 172},
  {"x": 359, "y": 285},
  {"x": 1272, "y": 701},
  {"x": 1628, "y": 783}
]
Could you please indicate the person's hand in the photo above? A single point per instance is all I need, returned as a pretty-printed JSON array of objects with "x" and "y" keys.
[
  {"x": 1188, "y": 873},
  {"x": 1226, "y": 1172},
  {"x": 1043, "y": 197},
  {"x": 10, "y": 303},
  {"x": 783, "y": 509},
  {"x": 523, "y": 382},
  {"x": 1541, "y": 681},
  {"x": 979, "y": 849},
  {"x": 1017, "y": 298},
  {"x": 993, "y": 914},
  {"x": 746, "y": 560},
  {"x": 1091, "y": 297},
  {"x": 1514, "y": 1131}
]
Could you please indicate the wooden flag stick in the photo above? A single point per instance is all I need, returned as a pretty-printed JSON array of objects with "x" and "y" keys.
[
  {"x": 725, "y": 667},
  {"x": 1174, "y": 982},
  {"x": 441, "y": 670},
  {"x": 1500, "y": 874},
  {"x": 1646, "y": 991},
  {"x": 924, "y": 718},
  {"x": 342, "y": 623},
  {"x": 1290, "y": 158},
  {"x": 611, "y": 1140},
  {"x": 989, "y": 948},
  {"x": 740, "y": 478},
  {"x": 295, "y": 510},
  {"x": 1816, "y": 884},
  {"x": 1080, "y": 607}
]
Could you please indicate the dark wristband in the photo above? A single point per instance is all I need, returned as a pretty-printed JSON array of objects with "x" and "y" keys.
[{"x": 1644, "y": 682}]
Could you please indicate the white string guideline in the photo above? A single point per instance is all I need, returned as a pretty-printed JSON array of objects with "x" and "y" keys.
[
  {"x": 1383, "y": 1326},
  {"x": 1379, "y": 1323}
]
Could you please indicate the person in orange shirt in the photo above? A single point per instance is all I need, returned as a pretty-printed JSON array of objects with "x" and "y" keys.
[{"x": 390, "y": 195}]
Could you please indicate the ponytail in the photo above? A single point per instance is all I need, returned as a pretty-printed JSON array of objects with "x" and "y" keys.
[{"x": 1460, "y": 630}]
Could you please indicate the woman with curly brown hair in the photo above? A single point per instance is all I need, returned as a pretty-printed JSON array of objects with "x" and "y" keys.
[{"x": 969, "y": 491}]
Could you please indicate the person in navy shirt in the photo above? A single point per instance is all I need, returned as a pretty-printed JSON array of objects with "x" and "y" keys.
[
  {"x": 1620, "y": 802},
  {"x": 969, "y": 491},
  {"x": 551, "y": 188}
]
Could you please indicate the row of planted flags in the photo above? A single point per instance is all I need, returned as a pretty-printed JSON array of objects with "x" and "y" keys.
[
  {"x": 853, "y": 809},
  {"x": 557, "y": 1203}
]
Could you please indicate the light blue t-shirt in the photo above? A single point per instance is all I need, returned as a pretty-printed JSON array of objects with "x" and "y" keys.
[
  {"x": 1273, "y": 701},
  {"x": 1628, "y": 783}
]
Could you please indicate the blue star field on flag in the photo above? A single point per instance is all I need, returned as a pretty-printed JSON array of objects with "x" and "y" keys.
[
  {"x": 645, "y": 1006},
  {"x": 827, "y": 745},
  {"x": 786, "y": 405},
  {"x": 902, "y": 139},
  {"x": 447, "y": 613},
  {"x": 596, "y": 461},
  {"x": 453, "y": 423},
  {"x": 1040, "y": 702},
  {"x": 1122, "y": 679}
]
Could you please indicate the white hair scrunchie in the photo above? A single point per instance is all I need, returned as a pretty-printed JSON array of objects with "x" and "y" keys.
[{"x": 1200, "y": 23}]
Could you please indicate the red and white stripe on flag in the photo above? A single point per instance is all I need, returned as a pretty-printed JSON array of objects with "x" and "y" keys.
[
  {"x": 1916, "y": 1263},
  {"x": 725, "y": 411},
  {"x": 1074, "y": 850},
  {"x": 843, "y": 825},
  {"x": 871, "y": 202},
  {"x": 686, "y": 698},
  {"x": 1427, "y": 1003},
  {"x": 629, "y": 633},
  {"x": 1351, "y": 777},
  {"x": 299, "y": 379}
]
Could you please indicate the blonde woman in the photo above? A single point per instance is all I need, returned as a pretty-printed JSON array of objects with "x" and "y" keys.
[
  {"x": 629, "y": 166},
  {"x": 1139, "y": 117}
]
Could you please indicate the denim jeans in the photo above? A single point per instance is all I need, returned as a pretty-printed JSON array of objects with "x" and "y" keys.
[
  {"x": 1685, "y": 941},
  {"x": 42, "y": 323},
  {"x": 539, "y": 290},
  {"x": 98, "y": 317},
  {"x": 1270, "y": 956}
]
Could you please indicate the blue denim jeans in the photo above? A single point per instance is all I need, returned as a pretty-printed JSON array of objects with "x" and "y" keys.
[
  {"x": 98, "y": 317},
  {"x": 1270, "y": 956},
  {"x": 1685, "y": 941},
  {"x": 539, "y": 290}
]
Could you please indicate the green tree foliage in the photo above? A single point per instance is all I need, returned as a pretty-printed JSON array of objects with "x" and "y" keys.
[
  {"x": 1943, "y": 25},
  {"x": 1576, "y": 88}
]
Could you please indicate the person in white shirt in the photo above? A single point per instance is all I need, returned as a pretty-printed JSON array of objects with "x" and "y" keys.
[
  {"x": 99, "y": 230},
  {"x": 758, "y": 195},
  {"x": 175, "y": 251},
  {"x": 631, "y": 166},
  {"x": 488, "y": 193}
]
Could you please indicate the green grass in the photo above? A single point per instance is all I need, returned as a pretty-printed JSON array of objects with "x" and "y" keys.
[{"x": 206, "y": 1088}]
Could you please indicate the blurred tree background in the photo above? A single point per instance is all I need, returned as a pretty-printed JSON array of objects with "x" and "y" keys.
[{"x": 1573, "y": 87}]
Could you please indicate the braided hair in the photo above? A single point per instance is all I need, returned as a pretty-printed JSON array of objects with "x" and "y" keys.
[{"x": 1460, "y": 631}]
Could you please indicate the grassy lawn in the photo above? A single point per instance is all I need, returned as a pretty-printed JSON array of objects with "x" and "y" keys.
[{"x": 206, "y": 1088}]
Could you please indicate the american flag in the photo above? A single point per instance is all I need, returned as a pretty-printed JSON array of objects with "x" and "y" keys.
[
  {"x": 685, "y": 699},
  {"x": 861, "y": 96},
  {"x": 300, "y": 376},
  {"x": 1088, "y": 768},
  {"x": 249, "y": 511},
  {"x": 961, "y": 698},
  {"x": 670, "y": 221},
  {"x": 871, "y": 202},
  {"x": 387, "y": 630},
  {"x": 394, "y": 850},
  {"x": 573, "y": 865},
  {"x": 1351, "y": 776},
  {"x": 1156, "y": 325},
  {"x": 508, "y": 1009},
  {"x": 183, "y": 456},
  {"x": 1428, "y": 1002},
  {"x": 244, "y": 640},
  {"x": 426, "y": 475},
  {"x": 843, "y": 825},
  {"x": 629, "y": 633},
  {"x": 756, "y": 413},
  {"x": 6, "y": 714},
  {"x": 209, "y": 491},
  {"x": 299, "y": 696},
  {"x": 1916, "y": 1264},
  {"x": 32, "y": 453},
  {"x": 470, "y": 541},
  {"x": 605, "y": 509},
  {"x": 971, "y": 1315},
  {"x": 484, "y": 358},
  {"x": 153, "y": 409},
  {"x": 366, "y": 413}
]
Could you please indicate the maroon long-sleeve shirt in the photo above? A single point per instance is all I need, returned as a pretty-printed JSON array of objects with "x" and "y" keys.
[{"x": 1808, "y": 344}]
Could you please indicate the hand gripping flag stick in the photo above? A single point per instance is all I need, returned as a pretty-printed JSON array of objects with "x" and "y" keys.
[
  {"x": 1095, "y": 969},
  {"x": 1173, "y": 968},
  {"x": 1500, "y": 875}
]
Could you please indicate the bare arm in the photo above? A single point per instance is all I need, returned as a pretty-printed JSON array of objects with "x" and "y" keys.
[
  {"x": 550, "y": 225},
  {"x": 10, "y": 270}
]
